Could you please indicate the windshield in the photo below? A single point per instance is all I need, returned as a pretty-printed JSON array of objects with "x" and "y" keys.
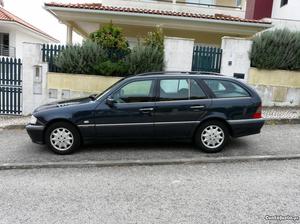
[{"x": 105, "y": 91}]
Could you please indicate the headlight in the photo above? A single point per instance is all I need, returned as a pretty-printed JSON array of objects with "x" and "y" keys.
[{"x": 33, "y": 120}]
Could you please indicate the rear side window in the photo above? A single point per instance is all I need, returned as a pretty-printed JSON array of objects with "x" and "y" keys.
[
  {"x": 180, "y": 89},
  {"x": 226, "y": 89}
]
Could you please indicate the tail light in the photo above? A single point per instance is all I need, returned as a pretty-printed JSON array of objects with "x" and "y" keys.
[{"x": 258, "y": 113}]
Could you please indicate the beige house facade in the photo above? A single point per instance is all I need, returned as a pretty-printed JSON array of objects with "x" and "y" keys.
[{"x": 205, "y": 21}]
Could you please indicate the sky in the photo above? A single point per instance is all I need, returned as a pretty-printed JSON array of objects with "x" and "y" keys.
[{"x": 32, "y": 12}]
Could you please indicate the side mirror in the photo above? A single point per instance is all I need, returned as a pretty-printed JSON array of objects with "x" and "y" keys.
[{"x": 110, "y": 102}]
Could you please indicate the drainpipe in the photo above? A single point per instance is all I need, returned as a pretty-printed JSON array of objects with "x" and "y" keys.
[{"x": 69, "y": 35}]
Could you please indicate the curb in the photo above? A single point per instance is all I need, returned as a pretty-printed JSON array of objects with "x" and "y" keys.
[
  {"x": 130, "y": 163},
  {"x": 268, "y": 122},
  {"x": 282, "y": 121}
]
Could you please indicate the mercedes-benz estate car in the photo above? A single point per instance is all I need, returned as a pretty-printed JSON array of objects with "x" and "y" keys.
[{"x": 206, "y": 109}]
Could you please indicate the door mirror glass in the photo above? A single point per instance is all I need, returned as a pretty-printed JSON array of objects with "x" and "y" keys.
[{"x": 110, "y": 102}]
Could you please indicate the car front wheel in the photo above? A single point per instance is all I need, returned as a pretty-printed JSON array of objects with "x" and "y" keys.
[
  {"x": 62, "y": 138},
  {"x": 211, "y": 136}
]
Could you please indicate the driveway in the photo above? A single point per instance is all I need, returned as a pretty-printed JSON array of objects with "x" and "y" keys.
[{"x": 16, "y": 147}]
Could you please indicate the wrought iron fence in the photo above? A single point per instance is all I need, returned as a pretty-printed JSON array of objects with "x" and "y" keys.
[{"x": 10, "y": 86}]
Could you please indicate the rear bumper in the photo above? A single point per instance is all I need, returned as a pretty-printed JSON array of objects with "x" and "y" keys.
[
  {"x": 36, "y": 133},
  {"x": 246, "y": 127}
]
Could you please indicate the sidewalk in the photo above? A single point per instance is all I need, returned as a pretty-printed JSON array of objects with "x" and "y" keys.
[{"x": 275, "y": 115}]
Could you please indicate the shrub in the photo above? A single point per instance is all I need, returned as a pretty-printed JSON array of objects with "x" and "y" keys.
[
  {"x": 80, "y": 59},
  {"x": 110, "y": 68},
  {"x": 145, "y": 59},
  {"x": 111, "y": 39},
  {"x": 155, "y": 39},
  {"x": 149, "y": 55},
  {"x": 278, "y": 49}
]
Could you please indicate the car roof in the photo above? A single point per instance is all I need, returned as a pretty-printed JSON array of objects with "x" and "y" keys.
[{"x": 185, "y": 74}]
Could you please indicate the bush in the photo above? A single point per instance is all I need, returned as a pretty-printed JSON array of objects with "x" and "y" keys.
[
  {"x": 110, "y": 68},
  {"x": 107, "y": 54},
  {"x": 111, "y": 39},
  {"x": 155, "y": 39},
  {"x": 278, "y": 49},
  {"x": 145, "y": 59},
  {"x": 149, "y": 55},
  {"x": 80, "y": 59}
]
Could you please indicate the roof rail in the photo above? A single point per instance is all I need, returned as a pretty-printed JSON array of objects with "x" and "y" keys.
[{"x": 180, "y": 72}]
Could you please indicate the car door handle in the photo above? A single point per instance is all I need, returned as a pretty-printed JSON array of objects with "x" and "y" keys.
[
  {"x": 146, "y": 110},
  {"x": 197, "y": 107}
]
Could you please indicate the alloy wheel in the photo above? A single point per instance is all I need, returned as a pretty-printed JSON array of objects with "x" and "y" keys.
[
  {"x": 212, "y": 136},
  {"x": 61, "y": 139}
]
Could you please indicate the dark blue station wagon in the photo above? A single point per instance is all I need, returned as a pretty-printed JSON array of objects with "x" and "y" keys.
[{"x": 204, "y": 108}]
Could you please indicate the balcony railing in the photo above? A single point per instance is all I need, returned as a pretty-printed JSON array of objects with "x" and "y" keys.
[
  {"x": 185, "y": 2},
  {"x": 7, "y": 51}
]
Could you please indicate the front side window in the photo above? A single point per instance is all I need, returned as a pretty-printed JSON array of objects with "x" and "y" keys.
[
  {"x": 138, "y": 91},
  {"x": 226, "y": 89},
  {"x": 180, "y": 89}
]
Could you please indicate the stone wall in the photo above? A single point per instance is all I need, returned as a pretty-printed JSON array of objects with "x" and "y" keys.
[{"x": 276, "y": 87}]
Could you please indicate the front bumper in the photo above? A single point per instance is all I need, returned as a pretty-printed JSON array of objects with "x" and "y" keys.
[
  {"x": 36, "y": 133},
  {"x": 246, "y": 127}
]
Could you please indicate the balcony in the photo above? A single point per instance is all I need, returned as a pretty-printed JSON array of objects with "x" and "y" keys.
[
  {"x": 209, "y": 7},
  {"x": 7, "y": 51}
]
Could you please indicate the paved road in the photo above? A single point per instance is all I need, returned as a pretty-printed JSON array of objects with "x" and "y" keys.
[
  {"x": 212, "y": 193},
  {"x": 15, "y": 146}
]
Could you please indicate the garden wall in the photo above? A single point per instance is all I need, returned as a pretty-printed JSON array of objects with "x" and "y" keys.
[
  {"x": 65, "y": 86},
  {"x": 276, "y": 87}
]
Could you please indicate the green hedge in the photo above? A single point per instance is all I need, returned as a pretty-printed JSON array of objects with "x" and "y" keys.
[
  {"x": 277, "y": 49},
  {"x": 107, "y": 53}
]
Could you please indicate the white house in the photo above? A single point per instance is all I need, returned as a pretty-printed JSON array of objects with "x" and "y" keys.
[
  {"x": 205, "y": 21},
  {"x": 14, "y": 32},
  {"x": 282, "y": 13}
]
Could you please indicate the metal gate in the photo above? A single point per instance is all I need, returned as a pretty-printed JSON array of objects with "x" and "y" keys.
[
  {"x": 10, "y": 86},
  {"x": 207, "y": 59}
]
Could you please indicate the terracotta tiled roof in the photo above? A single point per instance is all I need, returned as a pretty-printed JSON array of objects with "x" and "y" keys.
[
  {"x": 100, "y": 7},
  {"x": 7, "y": 16}
]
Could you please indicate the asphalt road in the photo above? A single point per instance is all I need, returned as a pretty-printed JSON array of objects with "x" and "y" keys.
[
  {"x": 15, "y": 146},
  {"x": 212, "y": 193}
]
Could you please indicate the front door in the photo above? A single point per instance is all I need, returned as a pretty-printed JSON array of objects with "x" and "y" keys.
[
  {"x": 180, "y": 106},
  {"x": 131, "y": 113}
]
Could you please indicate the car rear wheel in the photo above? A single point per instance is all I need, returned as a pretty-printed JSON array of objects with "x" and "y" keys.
[
  {"x": 62, "y": 138},
  {"x": 212, "y": 136}
]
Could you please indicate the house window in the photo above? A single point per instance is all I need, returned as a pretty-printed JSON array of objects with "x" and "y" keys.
[
  {"x": 238, "y": 3},
  {"x": 4, "y": 44},
  {"x": 283, "y": 3},
  {"x": 200, "y": 2}
]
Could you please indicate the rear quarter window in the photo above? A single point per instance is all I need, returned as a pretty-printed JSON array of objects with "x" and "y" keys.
[{"x": 226, "y": 89}]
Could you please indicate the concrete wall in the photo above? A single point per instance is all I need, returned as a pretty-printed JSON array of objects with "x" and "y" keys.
[
  {"x": 235, "y": 58},
  {"x": 34, "y": 88},
  {"x": 65, "y": 86},
  {"x": 178, "y": 54},
  {"x": 276, "y": 87}
]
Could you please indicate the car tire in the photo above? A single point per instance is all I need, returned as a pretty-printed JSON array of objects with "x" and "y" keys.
[
  {"x": 62, "y": 138},
  {"x": 211, "y": 136}
]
